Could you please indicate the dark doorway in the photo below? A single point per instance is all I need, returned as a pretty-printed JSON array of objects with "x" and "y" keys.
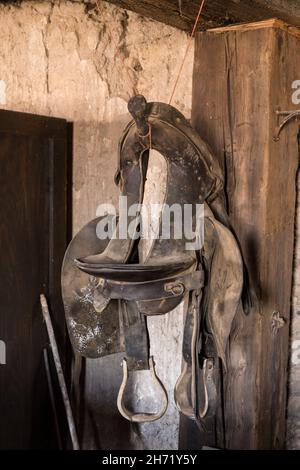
[{"x": 33, "y": 236}]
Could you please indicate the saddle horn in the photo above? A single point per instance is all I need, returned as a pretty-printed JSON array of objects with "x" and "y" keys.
[{"x": 137, "y": 106}]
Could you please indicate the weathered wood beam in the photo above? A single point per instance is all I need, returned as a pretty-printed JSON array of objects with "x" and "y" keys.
[
  {"x": 249, "y": 74},
  {"x": 181, "y": 13}
]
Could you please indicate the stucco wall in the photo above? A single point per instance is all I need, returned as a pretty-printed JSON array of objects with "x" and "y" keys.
[{"x": 67, "y": 60}]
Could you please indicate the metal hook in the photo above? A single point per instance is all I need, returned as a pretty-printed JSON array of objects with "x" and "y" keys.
[
  {"x": 290, "y": 115},
  {"x": 142, "y": 417}
]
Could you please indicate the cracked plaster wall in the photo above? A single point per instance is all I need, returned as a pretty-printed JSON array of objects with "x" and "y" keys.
[{"x": 72, "y": 60}]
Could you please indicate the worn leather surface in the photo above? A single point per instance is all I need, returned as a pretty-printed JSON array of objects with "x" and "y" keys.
[{"x": 108, "y": 293}]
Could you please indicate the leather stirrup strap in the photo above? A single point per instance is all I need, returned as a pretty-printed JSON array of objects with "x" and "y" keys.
[
  {"x": 137, "y": 358},
  {"x": 195, "y": 390},
  {"x": 135, "y": 336}
]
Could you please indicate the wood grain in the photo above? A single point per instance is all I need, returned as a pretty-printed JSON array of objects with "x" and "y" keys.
[
  {"x": 215, "y": 13},
  {"x": 32, "y": 240},
  {"x": 240, "y": 78}
]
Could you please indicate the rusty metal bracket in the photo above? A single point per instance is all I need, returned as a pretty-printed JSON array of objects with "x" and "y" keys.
[
  {"x": 289, "y": 116},
  {"x": 277, "y": 322}
]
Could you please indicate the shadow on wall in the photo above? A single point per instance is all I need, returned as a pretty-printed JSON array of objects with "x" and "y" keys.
[{"x": 95, "y": 160}]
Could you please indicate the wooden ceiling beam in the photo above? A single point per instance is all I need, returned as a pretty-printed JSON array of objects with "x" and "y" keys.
[{"x": 181, "y": 13}]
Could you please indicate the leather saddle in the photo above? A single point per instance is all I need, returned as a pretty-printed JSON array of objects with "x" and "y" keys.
[{"x": 109, "y": 289}]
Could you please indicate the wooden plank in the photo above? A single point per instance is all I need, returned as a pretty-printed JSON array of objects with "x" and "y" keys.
[
  {"x": 57, "y": 153},
  {"x": 33, "y": 219},
  {"x": 270, "y": 23},
  {"x": 247, "y": 74},
  {"x": 181, "y": 14},
  {"x": 279, "y": 233}
]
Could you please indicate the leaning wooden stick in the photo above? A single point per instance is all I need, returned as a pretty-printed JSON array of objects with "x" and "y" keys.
[{"x": 60, "y": 374}]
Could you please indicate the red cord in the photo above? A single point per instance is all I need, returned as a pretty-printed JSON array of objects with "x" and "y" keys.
[{"x": 187, "y": 49}]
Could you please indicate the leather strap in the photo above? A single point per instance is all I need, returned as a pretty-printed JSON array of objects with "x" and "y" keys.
[
  {"x": 195, "y": 390},
  {"x": 134, "y": 329},
  {"x": 162, "y": 289}
]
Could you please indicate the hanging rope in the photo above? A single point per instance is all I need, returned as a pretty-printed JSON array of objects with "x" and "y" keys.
[{"x": 187, "y": 49}]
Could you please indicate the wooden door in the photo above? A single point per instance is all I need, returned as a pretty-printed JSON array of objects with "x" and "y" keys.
[{"x": 33, "y": 156}]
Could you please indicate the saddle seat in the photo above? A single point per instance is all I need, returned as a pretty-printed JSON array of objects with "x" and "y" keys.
[{"x": 136, "y": 272}]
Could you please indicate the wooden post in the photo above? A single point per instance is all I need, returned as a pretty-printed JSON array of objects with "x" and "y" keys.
[{"x": 242, "y": 75}]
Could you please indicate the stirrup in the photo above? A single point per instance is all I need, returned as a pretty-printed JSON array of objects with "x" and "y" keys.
[
  {"x": 186, "y": 402},
  {"x": 142, "y": 417},
  {"x": 203, "y": 412}
]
